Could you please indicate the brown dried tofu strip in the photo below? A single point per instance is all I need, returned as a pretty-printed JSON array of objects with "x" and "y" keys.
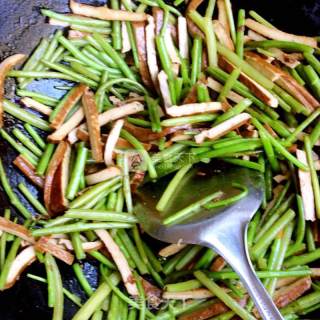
[
  {"x": 290, "y": 293},
  {"x": 222, "y": 15},
  {"x": 223, "y": 35},
  {"x": 16, "y": 229},
  {"x": 120, "y": 261},
  {"x": 28, "y": 170},
  {"x": 286, "y": 295},
  {"x": 44, "y": 245},
  {"x": 306, "y": 188},
  {"x": 147, "y": 135},
  {"x": 35, "y": 105},
  {"x": 140, "y": 35},
  {"x": 256, "y": 88},
  {"x": 283, "y": 79},
  {"x": 189, "y": 294},
  {"x": 105, "y": 13},
  {"x": 92, "y": 117},
  {"x": 71, "y": 100},
  {"x": 191, "y": 96},
  {"x": 276, "y": 34},
  {"x": 5, "y": 66},
  {"x": 218, "y": 264},
  {"x": 152, "y": 292},
  {"x": 52, "y": 168},
  {"x": 67, "y": 127},
  {"x": 24, "y": 259},
  {"x": 58, "y": 200},
  {"x": 171, "y": 249},
  {"x": 216, "y": 308},
  {"x": 223, "y": 128},
  {"x": 136, "y": 180}
]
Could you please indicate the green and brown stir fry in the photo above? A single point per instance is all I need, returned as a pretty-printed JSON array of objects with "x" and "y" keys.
[{"x": 151, "y": 91}]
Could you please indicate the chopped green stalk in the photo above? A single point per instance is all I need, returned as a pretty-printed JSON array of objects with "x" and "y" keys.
[
  {"x": 95, "y": 301},
  {"x": 180, "y": 121},
  {"x": 77, "y": 246},
  {"x": 82, "y": 279},
  {"x": 27, "y": 142},
  {"x": 192, "y": 208},
  {"x": 20, "y": 148},
  {"x": 229, "y": 85},
  {"x": 315, "y": 134},
  {"x": 133, "y": 44},
  {"x": 31, "y": 198},
  {"x": 79, "y": 227},
  {"x": 49, "y": 101},
  {"x": 188, "y": 258},
  {"x": 139, "y": 147},
  {"x": 153, "y": 109},
  {"x": 35, "y": 58},
  {"x": 245, "y": 67},
  {"x": 314, "y": 175},
  {"x": 265, "y": 241},
  {"x": 230, "y": 200},
  {"x": 203, "y": 93},
  {"x": 45, "y": 159},
  {"x": 133, "y": 252},
  {"x": 142, "y": 298},
  {"x": 231, "y": 23},
  {"x": 223, "y": 296},
  {"x": 93, "y": 191},
  {"x": 8, "y": 262},
  {"x": 313, "y": 80},
  {"x": 101, "y": 258},
  {"x": 171, "y": 188},
  {"x": 245, "y": 163},
  {"x": 285, "y": 45},
  {"x": 309, "y": 239},
  {"x": 72, "y": 297},
  {"x": 278, "y": 147},
  {"x": 75, "y": 19},
  {"x": 294, "y": 73},
  {"x": 196, "y": 58},
  {"x": 294, "y": 135},
  {"x": 116, "y": 28},
  {"x": 25, "y": 116},
  {"x": 77, "y": 171},
  {"x": 223, "y": 275},
  {"x": 240, "y": 33},
  {"x": 14, "y": 200},
  {"x": 69, "y": 74},
  {"x": 3, "y": 241},
  {"x": 78, "y": 54},
  {"x": 100, "y": 215},
  {"x": 260, "y": 19},
  {"x": 116, "y": 290},
  {"x": 313, "y": 61},
  {"x": 279, "y": 257},
  {"x": 301, "y": 304},
  {"x": 35, "y": 136},
  {"x": 206, "y": 26},
  {"x": 115, "y": 56}
]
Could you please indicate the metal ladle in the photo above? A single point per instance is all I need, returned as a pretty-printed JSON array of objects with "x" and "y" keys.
[{"x": 222, "y": 229}]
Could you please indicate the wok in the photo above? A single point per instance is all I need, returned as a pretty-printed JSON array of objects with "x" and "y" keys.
[{"x": 21, "y": 27}]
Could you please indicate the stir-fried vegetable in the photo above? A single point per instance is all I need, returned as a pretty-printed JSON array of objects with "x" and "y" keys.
[{"x": 152, "y": 91}]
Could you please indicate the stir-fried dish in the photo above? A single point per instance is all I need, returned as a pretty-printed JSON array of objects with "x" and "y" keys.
[{"x": 150, "y": 90}]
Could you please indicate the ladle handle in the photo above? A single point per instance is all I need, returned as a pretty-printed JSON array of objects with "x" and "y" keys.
[{"x": 230, "y": 244}]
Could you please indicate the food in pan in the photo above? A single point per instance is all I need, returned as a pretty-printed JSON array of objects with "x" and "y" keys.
[{"x": 151, "y": 90}]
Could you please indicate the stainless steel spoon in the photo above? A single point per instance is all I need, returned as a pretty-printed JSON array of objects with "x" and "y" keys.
[{"x": 222, "y": 229}]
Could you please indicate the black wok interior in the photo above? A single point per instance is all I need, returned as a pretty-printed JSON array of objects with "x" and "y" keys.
[{"x": 21, "y": 27}]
